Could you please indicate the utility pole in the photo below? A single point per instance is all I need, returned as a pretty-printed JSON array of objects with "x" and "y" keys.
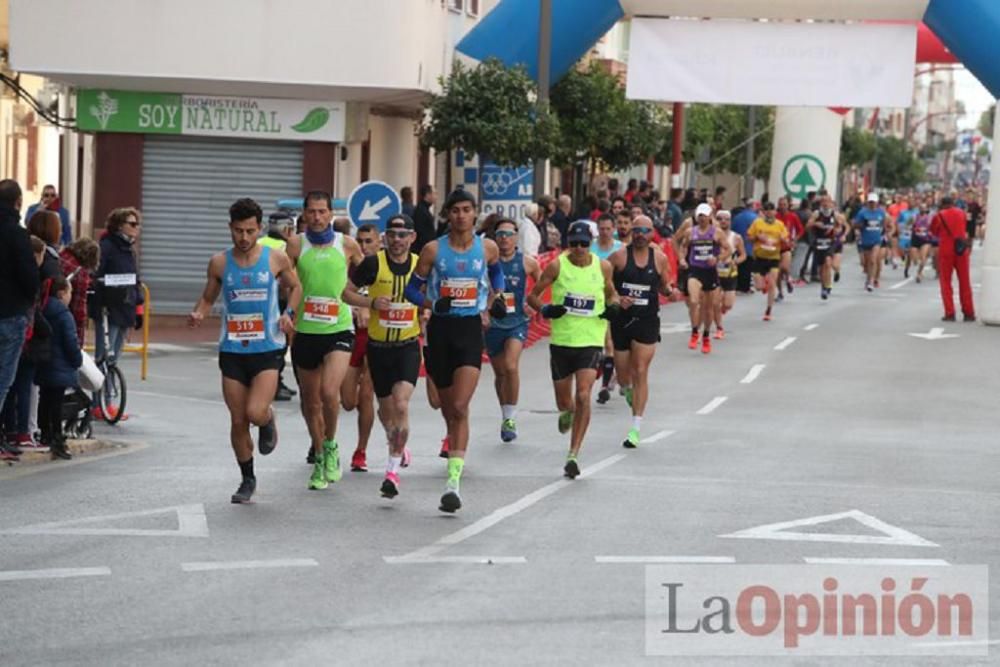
[
  {"x": 751, "y": 123},
  {"x": 544, "y": 65}
]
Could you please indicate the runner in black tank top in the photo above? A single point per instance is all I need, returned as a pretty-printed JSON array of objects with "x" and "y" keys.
[{"x": 640, "y": 274}]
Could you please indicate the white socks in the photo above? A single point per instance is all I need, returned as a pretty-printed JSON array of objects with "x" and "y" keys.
[
  {"x": 508, "y": 411},
  {"x": 636, "y": 422},
  {"x": 394, "y": 463}
]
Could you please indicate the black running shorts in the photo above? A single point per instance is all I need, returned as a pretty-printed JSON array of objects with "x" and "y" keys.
[
  {"x": 565, "y": 361},
  {"x": 709, "y": 278},
  {"x": 763, "y": 266},
  {"x": 309, "y": 350},
  {"x": 453, "y": 342},
  {"x": 390, "y": 364},
  {"x": 245, "y": 367},
  {"x": 625, "y": 329}
]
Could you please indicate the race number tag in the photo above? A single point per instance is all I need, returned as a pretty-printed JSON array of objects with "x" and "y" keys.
[
  {"x": 398, "y": 316},
  {"x": 638, "y": 293},
  {"x": 245, "y": 327},
  {"x": 119, "y": 280},
  {"x": 464, "y": 292},
  {"x": 703, "y": 251},
  {"x": 325, "y": 310},
  {"x": 580, "y": 304},
  {"x": 508, "y": 299}
]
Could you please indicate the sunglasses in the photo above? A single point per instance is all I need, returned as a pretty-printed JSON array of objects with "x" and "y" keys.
[
  {"x": 579, "y": 244},
  {"x": 132, "y": 223},
  {"x": 397, "y": 234},
  {"x": 642, "y": 230},
  {"x": 505, "y": 235}
]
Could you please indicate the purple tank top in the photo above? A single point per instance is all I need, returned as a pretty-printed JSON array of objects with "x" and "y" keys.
[{"x": 702, "y": 247}]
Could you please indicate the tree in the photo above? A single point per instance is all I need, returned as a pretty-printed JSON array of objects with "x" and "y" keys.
[
  {"x": 599, "y": 126},
  {"x": 721, "y": 132},
  {"x": 489, "y": 109},
  {"x": 857, "y": 147},
  {"x": 986, "y": 121},
  {"x": 898, "y": 166}
]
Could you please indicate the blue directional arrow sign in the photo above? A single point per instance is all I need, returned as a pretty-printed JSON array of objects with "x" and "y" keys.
[{"x": 373, "y": 202}]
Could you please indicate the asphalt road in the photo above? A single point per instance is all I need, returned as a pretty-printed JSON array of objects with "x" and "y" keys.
[{"x": 849, "y": 414}]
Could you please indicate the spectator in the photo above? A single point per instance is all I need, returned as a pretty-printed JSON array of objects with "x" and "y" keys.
[
  {"x": 18, "y": 282},
  {"x": 630, "y": 190},
  {"x": 423, "y": 218},
  {"x": 77, "y": 262},
  {"x": 528, "y": 237},
  {"x": 44, "y": 225},
  {"x": 953, "y": 256},
  {"x": 58, "y": 372},
  {"x": 644, "y": 194},
  {"x": 561, "y": 216},
  {"x": 406, "y": 199},
  {"x": 690, "y": 200},
  {"x": 603, "y": 206},
  {"x": 675, "y": 210},
  {"x": 742, "y": 219},
  {"x": 720, "y": 198},
  {"x": 612, "y": 188},
  {"x": 50, "y": 201}
]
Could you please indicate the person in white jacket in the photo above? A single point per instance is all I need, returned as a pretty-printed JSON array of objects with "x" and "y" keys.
[{"x": 528, "y": 236}]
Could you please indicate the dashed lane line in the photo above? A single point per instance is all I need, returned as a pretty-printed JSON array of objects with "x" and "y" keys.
[
  {"x": 711, "y": 406},
  {"x": 785, "y": 343},
  {"x": 55, "y": 573},
  {"x": 754, "y": 373},
  {"x": 214, "y": 566}
]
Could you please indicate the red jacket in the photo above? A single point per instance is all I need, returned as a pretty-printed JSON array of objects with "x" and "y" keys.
[{"x": 948, "y": 225}]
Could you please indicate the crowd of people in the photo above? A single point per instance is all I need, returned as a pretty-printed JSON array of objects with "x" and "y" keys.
[{"x": 47, "y": 296}]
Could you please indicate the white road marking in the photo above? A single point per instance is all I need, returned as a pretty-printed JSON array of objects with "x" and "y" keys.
[
  {"x": 901, "y": 283},
  {"x": 877, "y": 561},
  {"x": 754, "y": 373},
  {"x": 891, "y": 535},
  {"x": 191, "y": 522},
  {"x": 55, "y": 573},
  {"x": 712, "y": 405},
  {"x": 811, "y": 327},
  {"x": 656, "y": 437},
  {"x": 507, "y": 511},
  {"x": 785, "y": 343},
  {"x": 664, "y": 559},
  {"x": 477, "y": 560},
  {"x": 174, "y": 397},
  {"x": 937, "y": 333},
  {"x": 211, "y": 566},
  {"x": 675, "y": 327}
]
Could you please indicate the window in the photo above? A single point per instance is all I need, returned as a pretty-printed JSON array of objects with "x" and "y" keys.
[
  {"x": 456, "y": 5},
  {"x": 472, "y": 8}
]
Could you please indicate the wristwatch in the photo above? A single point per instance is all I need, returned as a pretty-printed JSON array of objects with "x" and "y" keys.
[{"x": 290, "y": 312}]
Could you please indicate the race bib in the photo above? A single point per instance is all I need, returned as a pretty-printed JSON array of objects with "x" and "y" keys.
[
  {"x": 508, "y": 299},
  {"x": 580, "y": 304},
  {"x": 325, "y": 310},
  {"x": 703, "y": 252},
  {"x": 398, "y": 316},
  {"x": 245, "y": 327},
  {"x": 464, "y": 292},
  {"x": 823, "y": 243},
  {"x": 768, "y": 244},
  {"x": 119, "y": 280},
  {"x": 638, "y": 293}
]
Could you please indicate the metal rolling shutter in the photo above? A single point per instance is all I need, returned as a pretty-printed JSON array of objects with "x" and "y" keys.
[{"x": 187, "y": 188}]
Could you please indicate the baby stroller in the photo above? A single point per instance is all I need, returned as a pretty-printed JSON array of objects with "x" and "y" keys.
[{"x": 76, "y": 415}]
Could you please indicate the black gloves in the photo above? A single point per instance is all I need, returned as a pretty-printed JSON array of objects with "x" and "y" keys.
[
  {"x": 611, "y": 312},
  {"x": 498, "y": 309},
  {"x": 553, "y": 311},
  {"x": 442, "y": 305}
]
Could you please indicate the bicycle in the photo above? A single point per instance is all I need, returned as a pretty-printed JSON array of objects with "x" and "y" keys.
[{"x": 112, "y": 395}]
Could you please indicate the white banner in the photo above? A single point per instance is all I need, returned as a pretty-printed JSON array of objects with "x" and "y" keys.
[
  {"x": 791, "y": 64},
  {"x": 262, "y": 118},
  {"x": 806, "y": 153}
]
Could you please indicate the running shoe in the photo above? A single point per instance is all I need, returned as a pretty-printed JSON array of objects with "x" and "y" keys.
[
  {"x": 920, "y": 277},
  {"x": 790, "y": 286},
  {"x": 407, "y": 458},
  {"x": 331, "y": 461},
  {"x": 720, "y": 333},
  {"x": 780, "y": 297},
  {"x": 358, "y": 461},
  {"x": 767, "y": 317},
  {"x": 444, "y": 448},
  {"x": 836, "y": 276},
  {"x": 948, "y": 318},
  {"x": 868, "y": 286},
  {"x": 565, "y": 421},
  {"x": 318, "y": 481},
  {"x": 632, "y": 439},
  {"x": 508, "y": 430},
  {"x": 7, "y": 455},
  {"x": 267, "y": 437},
  {"x": 450, "y": 501},
  {"x": 243, "y": 494},
  {"x": 824, "y": 293},
  {"x": 283, "y": 394},
  {"x": 390, "y": 485},
  {"x": 706, "y": 344},
  {"x": 311, "y": 456},
  {"x": 693, "y": 342},
  {"x": 26, "y": 443},
  {"x": 603, "y": 396},
  {"x": 572, "y": 468},
  {"x": 628, "y": 396}
]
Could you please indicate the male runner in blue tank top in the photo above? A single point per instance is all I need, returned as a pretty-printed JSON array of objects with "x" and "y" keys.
[
  {"x": 505, "y": 337},
  {"x": 252, "y": 341},
  {"x": 872, "y": 222},
  {"x": 463, "y": 279}
]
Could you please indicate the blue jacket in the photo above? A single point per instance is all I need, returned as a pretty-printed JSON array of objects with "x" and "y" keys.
[
  {"x": 61, "y": 370},
  {"x": 117, "y": 257}
]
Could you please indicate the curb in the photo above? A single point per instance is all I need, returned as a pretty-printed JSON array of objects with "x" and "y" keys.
[{"x": 76, "y": 448}]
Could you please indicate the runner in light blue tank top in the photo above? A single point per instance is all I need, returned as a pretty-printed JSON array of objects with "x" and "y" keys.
[
  {"x": 462, "y": 276},
  {"x": 250, "y": 311}
]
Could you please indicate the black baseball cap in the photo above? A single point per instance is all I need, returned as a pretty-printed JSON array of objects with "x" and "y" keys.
[
  {"x": 400, "y": 221},
  {"x": 457, "y": 197},
  {"x": 281, "y": 218},
  {"x": 579, "y": 231}
]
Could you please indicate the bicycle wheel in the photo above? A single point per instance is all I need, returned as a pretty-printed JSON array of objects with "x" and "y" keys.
[{"x": 112, "y": 395}]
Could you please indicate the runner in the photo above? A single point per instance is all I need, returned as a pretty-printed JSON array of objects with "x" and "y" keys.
[
  {"x": 871, "y": 222},
  {"x": 766, "y": 235},
  {"x": 921, "y": 241},
  {"x": 606, "y": 244},
  {"x": 790, "y": 219},
  {"x": 393, "y": 339},
  {"x": 583, "y": 299},
  {"x": 623, "y": 230},
  {"x": 252, "y": 339},
  {"x": 703, "y": 246},
  {"x": 505, "y": 337},
  {"x": 356, "y": 392},
  {"x": 463, "y": 279},
  {"x": 640, "y": 273},
  {"x": 324, "y": 338},
  {"x": 683, "y": 275},
  {"x": 825, "y": 225},
  {"x": 728, "y": 271},
  {"x": 280, "y": 228}
]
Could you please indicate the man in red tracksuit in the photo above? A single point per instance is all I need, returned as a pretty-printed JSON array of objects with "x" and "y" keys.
[{"x": 949, "y": 225}]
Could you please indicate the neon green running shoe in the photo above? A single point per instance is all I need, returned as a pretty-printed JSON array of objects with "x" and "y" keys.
[
  {"x": 318, "y": 480},
  {"x": 572, "y": 468},
  {"x": 632, "y": 440},
  {"x": 628, "y": 396},
  {"x": 565, "y": 421},
  {"x": 331, "y": 460}
]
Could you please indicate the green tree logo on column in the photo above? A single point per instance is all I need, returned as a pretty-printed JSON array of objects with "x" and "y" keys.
[{"x": 802, "y": 174}]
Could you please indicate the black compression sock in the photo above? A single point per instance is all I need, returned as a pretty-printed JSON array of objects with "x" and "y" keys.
[
  {"x": 609, "y": 370},
  {"x": 246, "y": 467}
]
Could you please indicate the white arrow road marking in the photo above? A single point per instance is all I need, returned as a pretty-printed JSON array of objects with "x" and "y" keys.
[
  {"x": 891, "y": 535},
  {"x": 371, "y": 211},
  {"x": 191, "y": 522},
  {"x": 937, "y": 333}
]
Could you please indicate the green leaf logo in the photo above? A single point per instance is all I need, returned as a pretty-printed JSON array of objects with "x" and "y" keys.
[{"x": 314, "y": 120}]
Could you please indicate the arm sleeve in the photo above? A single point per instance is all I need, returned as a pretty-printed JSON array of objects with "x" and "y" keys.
[
  {"x": 366, "y": 272},
  {"x": 414, "y": 290},
  {"x": 497, "y": 281}
]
